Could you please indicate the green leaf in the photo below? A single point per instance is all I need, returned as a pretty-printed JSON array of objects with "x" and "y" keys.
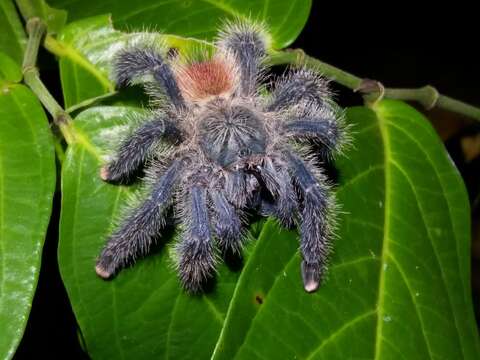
[
  {"x": 142, "y": 313},
  {"x": 398, "y": 283},
  {"x": 27, "y": 183},
  {"x": 12, "y": 36},
  {"x": 10, "y": 72},
  {"x": 54, "y": 18},
  {"x": 199, "y": 19},
  {"x": 86, "y": 47}
]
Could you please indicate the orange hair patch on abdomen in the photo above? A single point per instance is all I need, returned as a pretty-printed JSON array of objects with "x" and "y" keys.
[{"x": 201, "y": 80}]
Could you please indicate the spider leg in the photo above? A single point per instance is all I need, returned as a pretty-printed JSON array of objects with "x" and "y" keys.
[
  {"x": 138, "y": 61},
  {"x": 315, "y": 226},
  {"x": 228, "y": 226},
  {"x": 278, "y": 183},
  {"x": 300, "y": 85},
  {"x": 328, "y": 131},
  {"x": 236, "y": 188},
  {"x": 135, "y": 234},
  {"x": 196, "y": 250},
  {"x": 248, "y": 44},
  {"x": 135, "y": 149}
]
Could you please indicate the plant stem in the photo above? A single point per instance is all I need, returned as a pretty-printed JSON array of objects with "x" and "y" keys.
[
  {"x": 298, "y": 57},
  {"x": 36, "y": 29},
  {"x": 373, "y": 90}
]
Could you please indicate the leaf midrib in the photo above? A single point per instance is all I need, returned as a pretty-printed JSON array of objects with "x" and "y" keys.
[
  {"x": 389, "y": 161},
  {"x": 442, "y": 272},
  {"x": 67, "y": 51},
  {"x": 386, "y": 229}
]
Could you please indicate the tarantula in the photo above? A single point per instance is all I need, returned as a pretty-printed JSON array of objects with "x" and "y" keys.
[{"x": 233, "y": 147}]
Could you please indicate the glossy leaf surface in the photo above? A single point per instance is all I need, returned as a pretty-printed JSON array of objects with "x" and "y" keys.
[
  {"x": 12, "y": 36},
  {"x": 54, "y": 18},
  {"x": 27, "y": 183},
  {"x": 86, "y": 47},
  {"x": 398, "y": 284},
  {"x": 10, "y": 72},
  {"x": 197, "y": 18}
]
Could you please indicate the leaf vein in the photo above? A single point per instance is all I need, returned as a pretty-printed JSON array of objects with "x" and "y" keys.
[
  {"x": 444, "y": 280},
  {"x": 340, "y": 330},
  {"x": 415, "y": 305},
  {"x": 454, "y": 315},
  {"x": 386, "y": 226}
]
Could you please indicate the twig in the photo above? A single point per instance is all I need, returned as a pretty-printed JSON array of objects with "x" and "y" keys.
[
  {"x": 373, "y": 90},
  {"x": 36, "y": 29}
]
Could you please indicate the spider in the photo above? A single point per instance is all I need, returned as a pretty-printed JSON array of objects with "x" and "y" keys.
[{"x": 233, "y": 147}]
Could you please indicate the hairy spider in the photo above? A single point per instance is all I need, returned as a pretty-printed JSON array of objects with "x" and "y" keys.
[{"x": 233, "y": 147}]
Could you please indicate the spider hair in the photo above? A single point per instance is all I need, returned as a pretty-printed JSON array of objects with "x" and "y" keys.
[{"x": 231, "y": 149}]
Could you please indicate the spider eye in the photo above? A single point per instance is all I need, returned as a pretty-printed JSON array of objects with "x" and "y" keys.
[{"x": 244, "y": 152}]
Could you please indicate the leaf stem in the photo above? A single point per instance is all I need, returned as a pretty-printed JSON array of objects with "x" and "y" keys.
[
  {"x": 36, "y": 29},
  {"x": 373, "y": 91}
]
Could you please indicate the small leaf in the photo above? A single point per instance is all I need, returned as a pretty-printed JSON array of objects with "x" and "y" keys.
[
  {"x": 54, "y": 18},
  {"x": 10, "y": 72},
  {"x": 12, "y": 36},
  {"x": 27, "y": 183},
  {"x": 199, "y": 19},
  {"x": 142, "y": 313}
]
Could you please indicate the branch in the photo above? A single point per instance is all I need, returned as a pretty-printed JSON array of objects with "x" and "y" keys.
[
  {"x": 36, "y": 29},
  {"x": 373, "y": 90}
]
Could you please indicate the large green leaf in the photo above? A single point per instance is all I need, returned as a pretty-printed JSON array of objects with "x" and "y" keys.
[
  {"x": 27, "y": 183},
  {"x": 197, "y": 18},
  {"x": 12, "y": 37},
  {"x": 86, "y": 47},
  {"x": 398, "y": 284}
]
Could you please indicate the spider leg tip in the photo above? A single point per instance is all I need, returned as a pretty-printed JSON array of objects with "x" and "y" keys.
[
  {"x": 104, "y": 274},
  {"x": 310, "y": 278},
  {"x": 311, "y": 286},
  {"x": 104, "y": 173}
]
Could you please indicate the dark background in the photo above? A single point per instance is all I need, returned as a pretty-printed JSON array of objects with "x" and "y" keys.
[{"x": 401, "y": 46}]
